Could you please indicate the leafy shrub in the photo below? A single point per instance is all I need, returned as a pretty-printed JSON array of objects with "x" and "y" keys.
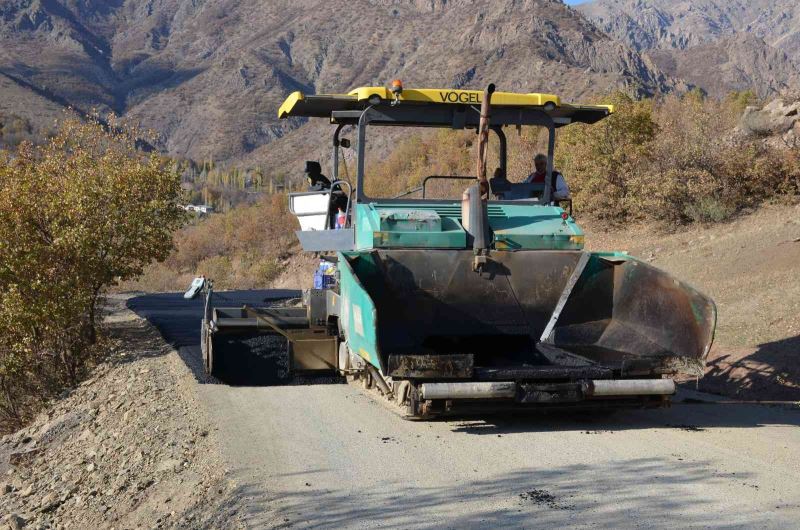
[
  {"x": 77, "y": 215},
  {"x": 602, "y": 162},
  {"x": 708, "y": 210},
  {"x": 14, "y": 130},
  {"x": 442, "y": 152},
  {"x": 219, "y": 268},
  {"x": 673, "y": 161}
]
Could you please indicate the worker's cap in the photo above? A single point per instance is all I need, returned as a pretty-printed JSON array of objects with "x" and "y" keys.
[{"x": 313, "y": 167}]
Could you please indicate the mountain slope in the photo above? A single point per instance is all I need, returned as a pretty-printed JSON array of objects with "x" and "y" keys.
[
  {"x": 717, "y": 44},
  {"x": 733, "y": 63},
  {"x": 648, "y": 24},
  {"x": 36, "y": 110},
  {"x": 210, "y": 75}
]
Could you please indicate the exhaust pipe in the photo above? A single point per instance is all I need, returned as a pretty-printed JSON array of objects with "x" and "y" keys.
[{"x": 631, "y": 387}]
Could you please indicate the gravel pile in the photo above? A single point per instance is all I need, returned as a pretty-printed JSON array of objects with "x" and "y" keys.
[{"x": 129, "y": 448}]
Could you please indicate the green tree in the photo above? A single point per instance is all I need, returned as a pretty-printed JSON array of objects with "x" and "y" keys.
[
  {"x": 601, "y": 161},
  {"x": 741, "y": 100},
  {"x": 77, "y": 215}
]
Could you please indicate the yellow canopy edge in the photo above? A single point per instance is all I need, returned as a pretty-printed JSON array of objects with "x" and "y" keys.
[
  {"x": 442, "y": 96},
  {"x": 458, "y": 97},
  {"x": 286, "y": 107}
]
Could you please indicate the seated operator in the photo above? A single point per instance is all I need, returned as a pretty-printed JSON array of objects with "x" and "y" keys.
[
  {"x": 559, "y": 190},
  {"x": 316, "y": 180},
  {"x": 499, "y": 184}
]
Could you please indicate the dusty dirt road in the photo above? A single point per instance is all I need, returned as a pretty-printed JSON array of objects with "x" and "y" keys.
[{"x": 330, "y": 456}]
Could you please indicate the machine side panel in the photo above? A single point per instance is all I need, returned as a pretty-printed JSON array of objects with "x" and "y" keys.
[
  {"x": 326, "y": 240},
  {"x": 357, "y": 314},
  {"x": 366, "y": 222}
]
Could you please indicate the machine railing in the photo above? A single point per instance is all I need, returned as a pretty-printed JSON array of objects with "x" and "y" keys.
[
  {"x": 349, "y": 194},
  {"x": 408, "y": 192},
  {"x": 566, "y": 204},
  {"x": 310, "y": 212},
  {"x": 441, "y": 177}
]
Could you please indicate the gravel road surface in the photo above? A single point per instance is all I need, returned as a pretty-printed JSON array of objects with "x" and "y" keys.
[{"x": 331, "y": 456}]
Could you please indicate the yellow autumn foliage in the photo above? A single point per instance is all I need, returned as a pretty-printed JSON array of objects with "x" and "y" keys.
[
  {"x": 77, "y": 215},
  {"x": 674, "y": 161}
]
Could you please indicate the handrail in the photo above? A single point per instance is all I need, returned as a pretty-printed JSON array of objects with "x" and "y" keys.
[
  {"x": 459, "y": 177},
  {"x": 334, "y": 184},
  {"x": 442, "y": 177},
  {"x": 409, "y": 192}
]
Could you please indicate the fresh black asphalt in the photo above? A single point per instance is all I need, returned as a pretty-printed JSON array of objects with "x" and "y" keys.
[{"x": 178, "y": 319}]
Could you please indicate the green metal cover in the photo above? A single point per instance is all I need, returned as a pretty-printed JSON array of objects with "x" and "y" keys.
[
  {"x": 374, "y": 230},
  {"x": 534, "y": 227},
  {"x": 521, "y": 226}
]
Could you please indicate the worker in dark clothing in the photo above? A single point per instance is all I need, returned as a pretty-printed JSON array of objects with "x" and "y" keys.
[
  {"x": 316, "y": 180},
  {"x": 499, "y": 184},
  {"x": 319, "y": 182}
]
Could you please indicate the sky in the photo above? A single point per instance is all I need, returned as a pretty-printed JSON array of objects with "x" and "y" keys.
[{"x": 575, "y": 2}]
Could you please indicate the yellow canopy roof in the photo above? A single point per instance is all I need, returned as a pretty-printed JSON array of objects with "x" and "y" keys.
[{"x": 322, "y": 105}]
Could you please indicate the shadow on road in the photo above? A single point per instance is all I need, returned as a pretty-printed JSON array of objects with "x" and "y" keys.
[
  {"x": 653, "y": 492},
  {"x": 692, "y": 418}
]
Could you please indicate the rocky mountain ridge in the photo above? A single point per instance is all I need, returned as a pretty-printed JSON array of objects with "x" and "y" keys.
[
  {"x": 718, "y": 45},
  {"x": 209, "y": 75},
  {"x": 668, "y": 24}
]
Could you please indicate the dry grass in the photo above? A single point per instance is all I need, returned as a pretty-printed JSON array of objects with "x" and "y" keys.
[{"x": 245, "y": 248}]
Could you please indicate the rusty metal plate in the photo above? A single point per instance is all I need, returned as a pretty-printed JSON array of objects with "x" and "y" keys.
[
  {"x": 312, "y": 351},
  {"x": 552, "y": 393},
  {"x": 452, "y": 366}
]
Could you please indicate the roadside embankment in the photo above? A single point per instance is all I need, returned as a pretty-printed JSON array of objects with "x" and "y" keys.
[{"x": 130, "y": 448}]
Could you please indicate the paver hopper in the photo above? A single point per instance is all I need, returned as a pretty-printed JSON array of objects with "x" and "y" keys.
[{"x": 453, "y": 304}]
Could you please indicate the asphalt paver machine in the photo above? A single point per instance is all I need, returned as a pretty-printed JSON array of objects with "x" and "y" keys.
[{"x": 450, "y": 304}]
